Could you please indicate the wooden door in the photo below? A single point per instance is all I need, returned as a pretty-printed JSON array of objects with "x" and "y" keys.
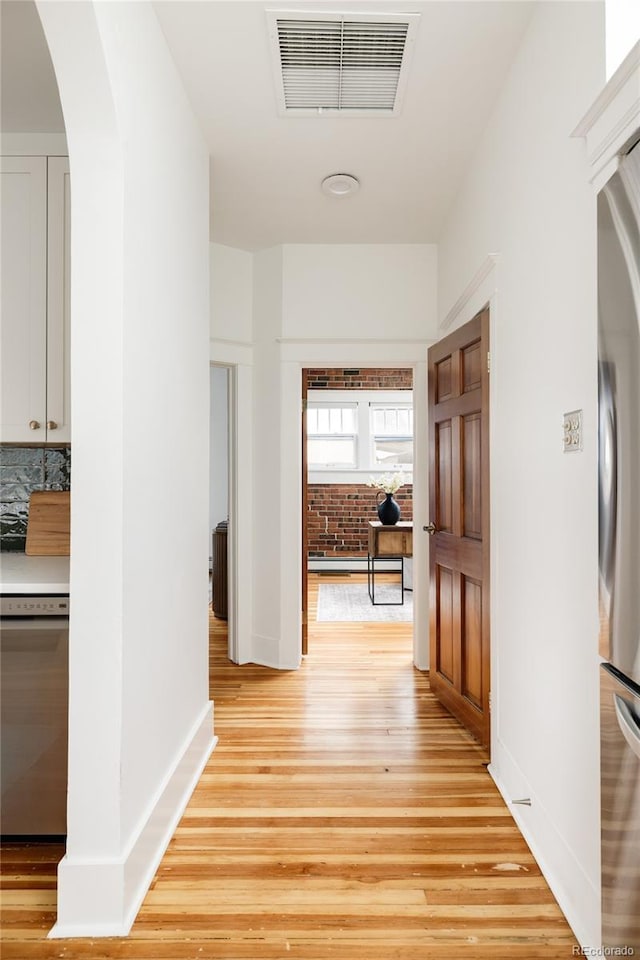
[
  {"x": 459, "y": 523},
  {"x": 305, "y": 510}
]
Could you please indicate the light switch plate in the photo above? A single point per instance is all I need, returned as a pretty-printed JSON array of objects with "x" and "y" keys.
[{"x": 572, "y": 439}]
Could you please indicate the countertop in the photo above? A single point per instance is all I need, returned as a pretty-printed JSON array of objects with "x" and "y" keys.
[{"x": 31, "y": 575}]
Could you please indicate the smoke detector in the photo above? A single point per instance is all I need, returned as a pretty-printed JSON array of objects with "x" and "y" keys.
[{"x": 340, "y": 64}]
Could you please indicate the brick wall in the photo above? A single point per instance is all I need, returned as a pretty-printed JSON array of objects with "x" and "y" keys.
[
  {"x": 339, "y": 514},
  {"x": 350, "y": 378}
]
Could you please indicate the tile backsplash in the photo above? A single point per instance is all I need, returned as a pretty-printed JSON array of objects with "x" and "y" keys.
[{"x": 23, "y": 470}]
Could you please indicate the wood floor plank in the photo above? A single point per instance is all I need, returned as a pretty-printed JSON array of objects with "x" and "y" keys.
[{"x": 344, "y": 815}]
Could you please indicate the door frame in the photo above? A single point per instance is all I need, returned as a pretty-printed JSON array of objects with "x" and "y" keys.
[
  {"x": 295, "y": 357},
  {"x": 238, "y": 359},
  {"x": 449, "y": 690},
  {"x": 480, "y": 292}
]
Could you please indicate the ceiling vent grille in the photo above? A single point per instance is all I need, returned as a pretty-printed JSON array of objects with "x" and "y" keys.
[{"x": 349, "y": 64}]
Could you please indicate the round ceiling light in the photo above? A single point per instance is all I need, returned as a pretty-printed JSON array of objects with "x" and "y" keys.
[{"x": 340, "y": 185}]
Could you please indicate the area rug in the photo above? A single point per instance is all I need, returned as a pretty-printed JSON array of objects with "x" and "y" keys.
[{"x": 350, "y": 602}]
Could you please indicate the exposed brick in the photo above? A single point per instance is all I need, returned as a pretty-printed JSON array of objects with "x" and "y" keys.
[
  {"x": 339, "y": 514},
  {"x": 349, "y": 379}
]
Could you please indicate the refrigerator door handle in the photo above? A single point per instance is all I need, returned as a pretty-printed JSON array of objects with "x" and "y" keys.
[
  {"x": 628, "y": 723},
  {"x": 607, "y": 485}
]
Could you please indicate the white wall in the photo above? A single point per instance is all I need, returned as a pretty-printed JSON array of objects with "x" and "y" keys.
[
  {"x": 318, "y": 305},
  {"x": 622, "y": 31},
  {"x": 219, "y": 455},
  {"x": 231, "y": 277},
  {"x": 267, "y": 473},
  {"x": 140, "y": 719},
  {"x": 526, "y": 198},
  {"x": 231, "y": 293},
  {"x": 339, "y": 291}
]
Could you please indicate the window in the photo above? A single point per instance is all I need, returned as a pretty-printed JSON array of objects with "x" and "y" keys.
[
  {"x": 359, "y": 431},
  {"x": 392, "y": 435},
  {"x": 332, "y": 435}
]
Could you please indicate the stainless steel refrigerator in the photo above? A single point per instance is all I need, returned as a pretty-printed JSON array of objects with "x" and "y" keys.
[{"x": 619, "y": 528}]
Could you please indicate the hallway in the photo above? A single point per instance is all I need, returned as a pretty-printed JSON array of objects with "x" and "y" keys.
[{"x": 343, "y": 815}]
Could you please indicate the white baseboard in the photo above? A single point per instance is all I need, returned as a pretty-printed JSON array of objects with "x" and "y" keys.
[
  {"x": 576, "y": 894},
  {"x": 266, "y": 653},
  {"x": 100, "y": 898}
]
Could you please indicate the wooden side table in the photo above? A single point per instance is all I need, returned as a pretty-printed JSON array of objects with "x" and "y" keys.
[{"x": 388, "y": 543}]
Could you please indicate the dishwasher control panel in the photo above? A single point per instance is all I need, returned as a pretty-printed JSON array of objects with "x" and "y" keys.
[{"x": 25, "y": 606}]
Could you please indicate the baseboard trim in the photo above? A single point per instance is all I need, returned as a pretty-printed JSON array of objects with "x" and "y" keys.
[
  {"x": 101, "y": 898},
  {"x": 577, "y": 897}
]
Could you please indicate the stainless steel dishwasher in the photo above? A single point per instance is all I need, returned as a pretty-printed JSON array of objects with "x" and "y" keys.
[{"x": 34, "y": 671}]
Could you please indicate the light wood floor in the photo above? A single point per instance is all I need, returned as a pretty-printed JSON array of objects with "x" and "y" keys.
[{"x": 344, "y": 815}]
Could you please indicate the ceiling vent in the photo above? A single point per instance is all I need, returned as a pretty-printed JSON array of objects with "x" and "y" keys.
[{"x": 333, "y": 64}]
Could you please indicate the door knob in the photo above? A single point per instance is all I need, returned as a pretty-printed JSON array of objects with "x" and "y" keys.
[
  {"x": 34, "y": 425},
  {"x": 52, "y": 425},
  {"x": 431, "y": 529}
]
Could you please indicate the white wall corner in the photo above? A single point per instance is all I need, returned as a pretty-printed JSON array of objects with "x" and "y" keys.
[
  {"x": 100, "y": 898},
  {"x": 291, "y": 558},
  {"x": 577, "y": 897},
  {"x": 266, "y": 652},
  {"x": 475, "y": 295},
  {"x": 241, "y": 546},
  {"x": 230, "y": 352}
]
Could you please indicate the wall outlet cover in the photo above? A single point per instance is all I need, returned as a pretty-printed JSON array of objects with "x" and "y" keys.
[{"x": 572, "y": 431}]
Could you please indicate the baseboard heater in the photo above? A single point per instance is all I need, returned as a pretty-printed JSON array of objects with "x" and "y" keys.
[{"x": 329, "y": 565}]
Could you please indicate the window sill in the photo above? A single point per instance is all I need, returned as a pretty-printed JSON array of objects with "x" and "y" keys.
[{"x": 354, "y": 476}]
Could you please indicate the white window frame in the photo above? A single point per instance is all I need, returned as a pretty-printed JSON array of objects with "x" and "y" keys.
[
  {"x": 398, "y": 405},
  {"x": 364, "y": 399},
  {"x": 341, "y": 405}
]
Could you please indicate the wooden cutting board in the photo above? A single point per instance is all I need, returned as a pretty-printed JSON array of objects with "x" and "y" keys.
[{"x": 49, "y": 523}]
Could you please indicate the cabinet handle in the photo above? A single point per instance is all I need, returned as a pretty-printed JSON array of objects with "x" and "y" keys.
[
  {"x": 34, "y": 425},
  {"x": 52, "y": 425}
]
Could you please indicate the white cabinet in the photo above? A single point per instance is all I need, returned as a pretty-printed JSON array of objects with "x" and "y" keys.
[{"x": 34, "y": 318}]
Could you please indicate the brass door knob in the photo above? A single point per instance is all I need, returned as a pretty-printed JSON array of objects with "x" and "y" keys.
[
  {"x": 34, "y": 425},
  {"x": 52, "y": 425},
  {"x": 431, "y": 529}
]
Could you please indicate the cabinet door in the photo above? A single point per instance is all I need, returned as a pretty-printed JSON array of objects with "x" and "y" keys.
[
  {"x": 23, "y": 317},
  {"x": 58, "y": 289}
]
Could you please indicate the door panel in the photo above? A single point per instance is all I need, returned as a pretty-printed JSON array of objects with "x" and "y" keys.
[
  {"x": 472, "y": 640},
  {"x": 443, "y": 383},
  {"x": 471, "y": 367},
  {"x": 459, "y": 509},
  {"x": 445, "y": 466},
  {"x": 445, "y": 621},
  {"x": 472, "y": 476}
]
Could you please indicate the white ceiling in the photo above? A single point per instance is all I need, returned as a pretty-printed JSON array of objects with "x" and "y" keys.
[{"x": 266, "y": 170}]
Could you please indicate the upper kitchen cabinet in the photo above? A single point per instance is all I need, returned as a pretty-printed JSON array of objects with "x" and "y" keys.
[{"x": 34, "y": 333}]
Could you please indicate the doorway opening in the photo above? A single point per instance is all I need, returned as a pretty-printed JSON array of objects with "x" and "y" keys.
[
  {"x": 222, "y": 512},
  {"x": 459, "y": 557},
  {"x": 357, "y": 442}
]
